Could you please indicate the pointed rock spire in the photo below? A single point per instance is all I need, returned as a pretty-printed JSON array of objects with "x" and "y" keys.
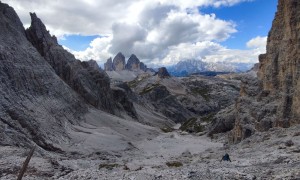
[
  {"x": 133, "y": 63},
  {"x": 108, "y": 66},
  {"x": 119, "y": 62},
  {"x": 163, "y": 72},
  {"x": 39, "y": 35}
]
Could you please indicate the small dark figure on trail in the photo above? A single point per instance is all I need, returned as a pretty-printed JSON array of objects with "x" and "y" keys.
[{"x": 226, "y": 158}]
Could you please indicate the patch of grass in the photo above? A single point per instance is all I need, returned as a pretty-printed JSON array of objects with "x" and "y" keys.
[
  {"x": 166, "y": 129},
  {"x": 192, "y": 126},
  {"x": 204, "y": 92},
  {"x": 208, "y": 118},
  {"x": 134, "y": 83},
  {"x": 187, "y": 124},
  {"x": 234, "y": 87},
  {"x": 148, "y": 89},
  {"x": 174, "y": 164},
  {"x": 108, "y": 166}
]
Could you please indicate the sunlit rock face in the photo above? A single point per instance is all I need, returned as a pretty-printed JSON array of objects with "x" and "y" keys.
[
  {"x": 273, "y": 99},
  {"x": 119, "y": 62}
]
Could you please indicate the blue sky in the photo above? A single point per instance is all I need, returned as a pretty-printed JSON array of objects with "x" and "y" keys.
[
  {"x": 252, "y": 19},
  {"x": 77, "y": 42},
  {"x": 158, "y": 32}
]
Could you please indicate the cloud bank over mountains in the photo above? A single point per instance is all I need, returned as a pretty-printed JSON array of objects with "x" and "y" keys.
[{"x": 159, "y": 32}]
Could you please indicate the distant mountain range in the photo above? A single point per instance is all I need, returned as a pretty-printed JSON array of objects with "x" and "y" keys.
[{"x": 187, "y": 67}]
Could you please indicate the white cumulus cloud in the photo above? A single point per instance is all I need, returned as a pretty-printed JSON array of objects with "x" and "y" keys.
[
  {"x": 257, "y": 42},
  {"x": 157, "y": 31}
]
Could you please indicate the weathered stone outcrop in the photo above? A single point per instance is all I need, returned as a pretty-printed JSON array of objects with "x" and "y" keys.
[
  {"x": 108, "y": 66},
  {"x": 121, "y": 97},
  {"x": 91, "y": 83},
  {"x": 166, "y": 103},
  {"x": 119, "y": 62},
  {"x": 274, "y": 99}
]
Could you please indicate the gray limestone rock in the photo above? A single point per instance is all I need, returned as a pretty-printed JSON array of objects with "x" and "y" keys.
[
  {"x": 33, "y": 96},
  {"x": 92, "y": 84},
  {"x": 119, "y": 62},
  {"x": 272, "y": 100},
  {"x": 163, "y": 72},
  {"x": 108, "y": 66},
  {"x": 143, "y": 67},
  {"x": 166, "y": 103},
  {"x": 44, "y": 90},
  {"x": 133, "y": 63}
]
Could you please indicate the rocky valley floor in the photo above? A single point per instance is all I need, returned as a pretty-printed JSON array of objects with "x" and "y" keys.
[{"x": 174, "y": 155}]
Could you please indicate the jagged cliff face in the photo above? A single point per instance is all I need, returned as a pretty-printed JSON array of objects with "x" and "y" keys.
[
  {"x": 273, "y": 99},
  {"x": 33, "y": 97},
  {"x": 92, "y": 84},
  {"x": 108, "y": 66},
  {"x": 280, "y": 66}
]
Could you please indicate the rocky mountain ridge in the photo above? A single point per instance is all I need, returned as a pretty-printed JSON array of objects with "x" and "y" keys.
[{"x": 44, "y": 85}]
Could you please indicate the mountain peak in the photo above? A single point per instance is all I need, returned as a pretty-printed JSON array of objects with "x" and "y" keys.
[
  {"x": 163, "y": 72},
  {"x": 133, "y": 63},
  {"x": 108, "y": 66},
  {"x": 119, "y": 62},
  {"x": 40, "y": 30}
]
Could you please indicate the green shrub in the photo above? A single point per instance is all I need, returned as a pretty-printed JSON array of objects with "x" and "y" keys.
[
  {"x": 234, "y": 87},
  {"x": 166, "y": 129},
  {"x": 192, "y": 125},
  {"x": 108, "y": 166},
  {"x": 204, "y": 92},
  {"x": 174, "y": 164},
  {"x": 148, "y": 89},
  {"x": 208, "y": 118}
]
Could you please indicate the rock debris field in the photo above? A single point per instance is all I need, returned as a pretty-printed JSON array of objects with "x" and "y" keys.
[{"x": 174, "y": 155}]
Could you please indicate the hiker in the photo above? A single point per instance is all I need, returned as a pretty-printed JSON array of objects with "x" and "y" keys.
[{"x": 226, "y": 158}]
